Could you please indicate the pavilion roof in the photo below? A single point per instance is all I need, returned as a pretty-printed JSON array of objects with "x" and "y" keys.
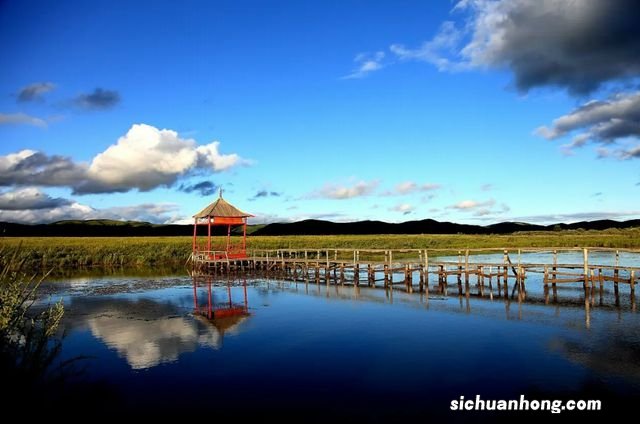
[{"x": 221, "y": 208}]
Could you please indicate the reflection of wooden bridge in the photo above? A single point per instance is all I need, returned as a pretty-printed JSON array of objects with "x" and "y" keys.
[{"x": 414, "y": 268}]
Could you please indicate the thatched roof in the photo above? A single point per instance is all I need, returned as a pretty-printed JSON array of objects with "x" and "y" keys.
[{"x": 221, "y": 208}]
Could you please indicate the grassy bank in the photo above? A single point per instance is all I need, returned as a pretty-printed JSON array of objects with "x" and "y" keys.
[{"x": 152, "y": 251}]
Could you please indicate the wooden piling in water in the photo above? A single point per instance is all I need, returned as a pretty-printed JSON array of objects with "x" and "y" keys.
[{"x": 302, "y": 263}]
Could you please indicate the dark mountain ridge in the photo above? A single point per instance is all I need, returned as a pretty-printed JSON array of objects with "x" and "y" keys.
[{"x": 111, "y": 228}]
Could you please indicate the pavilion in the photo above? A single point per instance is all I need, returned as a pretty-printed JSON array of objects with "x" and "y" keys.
[{"x": 220, "y": 213}]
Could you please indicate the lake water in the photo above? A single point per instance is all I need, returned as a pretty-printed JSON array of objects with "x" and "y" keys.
[{"x": 315, "y": 352}]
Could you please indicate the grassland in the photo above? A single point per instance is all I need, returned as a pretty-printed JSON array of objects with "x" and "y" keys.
[{"x": 73, "y": 252}]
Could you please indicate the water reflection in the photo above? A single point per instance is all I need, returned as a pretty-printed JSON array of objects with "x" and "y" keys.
[
  {"x": 224, "y": 315},
  {"x": 299, "y": 341},
  {"x": 147, "y": 332}
]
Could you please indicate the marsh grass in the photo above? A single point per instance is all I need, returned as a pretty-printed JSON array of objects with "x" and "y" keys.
[
  {"x": 75, "y": 252},
  {"x": 28, "y": 341}
]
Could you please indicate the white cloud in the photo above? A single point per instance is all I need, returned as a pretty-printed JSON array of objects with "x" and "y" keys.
[
  {"x": 147, "y": 157},
  {"x": 600, "y": 121},
  {"x": 467, "y": 205},
  {"x": 366, "y": 63},
  {"x": 21, "y": 119},
  {"x": 404, "y": 208},
  {"x": 436, "y": 50},
  {"x": 37, "y": 207},
  {"x": 408, "y": 187},
  {"x": 29, "y": 198},
  {"x": 506, "y": 34},
  {"x": 359, "y": 189},
  {"x": 144, "y": 158}
]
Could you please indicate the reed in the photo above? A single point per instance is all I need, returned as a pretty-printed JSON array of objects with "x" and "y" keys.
[{"x": 73, "y": 252}]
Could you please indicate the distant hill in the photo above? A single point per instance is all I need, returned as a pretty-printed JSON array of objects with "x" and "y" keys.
[
  {"x": 112, "y": 228},
  {"x": 428, "y": 226}
]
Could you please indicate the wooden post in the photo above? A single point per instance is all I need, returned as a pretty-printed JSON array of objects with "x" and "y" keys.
[
  {"x": 385, "y": 268},
  {"x": 460, "y": 269},
  {"x": 524, "y": 278},
  {"x": 505, "y": 281},
  {"x": 616, "y": 272},
  {"x": 327, "y": 264},
  {"x": 585, "y": 258},
  {"x": 601, "y": 285},
  {"x": 466, "y": 267},
  {"x": 490, "y": 283},
  {"x": 554, "y": 276},
  {"x": 421, "y": 271},
  {"x": 391, "y": 268},
  {"x": 632, "y": 283},
  {"x": 426, "y": 270},
  {"x": 592, "y": 286}
]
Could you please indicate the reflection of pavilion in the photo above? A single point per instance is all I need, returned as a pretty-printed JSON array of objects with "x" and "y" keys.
[{"x": 224, "y": 315}]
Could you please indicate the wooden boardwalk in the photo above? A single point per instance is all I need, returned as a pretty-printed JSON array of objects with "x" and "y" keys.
[{"x": 418, "y": 269}]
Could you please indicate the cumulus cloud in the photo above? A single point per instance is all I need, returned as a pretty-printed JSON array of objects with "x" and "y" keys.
[
  {"x": 204, "y": 188},
  {"x": 21, "y": 119},
  {"x": 144, "y": 158},
  {"x": 580, "y": 46},
  {"x": 403, "y": 208},
  {"x": 359, "y": 189},
  {"x": 366, "y": 63},
  {"x": 28, "y": 167},
  {"x": 577, "y": 45},
  {"x": 600, "y": 121},
  {"x": 29, "y": 198},
  {"x": 484, "y": 208},
  {"x": 98, "y": 99},
  {"x": 32, "y": 206},
  {"x": 35, "y": 91}
]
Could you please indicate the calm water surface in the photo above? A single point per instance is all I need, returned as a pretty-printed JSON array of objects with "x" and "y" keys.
[{"x": 311, "y": 352}]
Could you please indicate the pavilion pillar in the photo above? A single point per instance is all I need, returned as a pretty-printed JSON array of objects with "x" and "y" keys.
[
  {"x": 195, "y": 234},
  {"x": 244, "y": 236},
  {"x": 228, "y": 236},
  {"x": 209, "y": 233}
]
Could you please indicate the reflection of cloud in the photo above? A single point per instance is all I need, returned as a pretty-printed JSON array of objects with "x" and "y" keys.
[
  {"x": 144, "y": 332},
  {"x": 147, "y": 343}
]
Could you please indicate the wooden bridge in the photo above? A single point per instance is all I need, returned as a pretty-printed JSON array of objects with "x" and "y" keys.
[{"x": 416, "y": 269}]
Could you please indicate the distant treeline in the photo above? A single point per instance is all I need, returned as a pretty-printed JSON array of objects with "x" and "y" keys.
[{"x": 110, "y": 228}]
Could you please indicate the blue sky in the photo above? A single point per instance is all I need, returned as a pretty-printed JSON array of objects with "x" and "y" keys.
[{"x": 350, "y": 110}]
